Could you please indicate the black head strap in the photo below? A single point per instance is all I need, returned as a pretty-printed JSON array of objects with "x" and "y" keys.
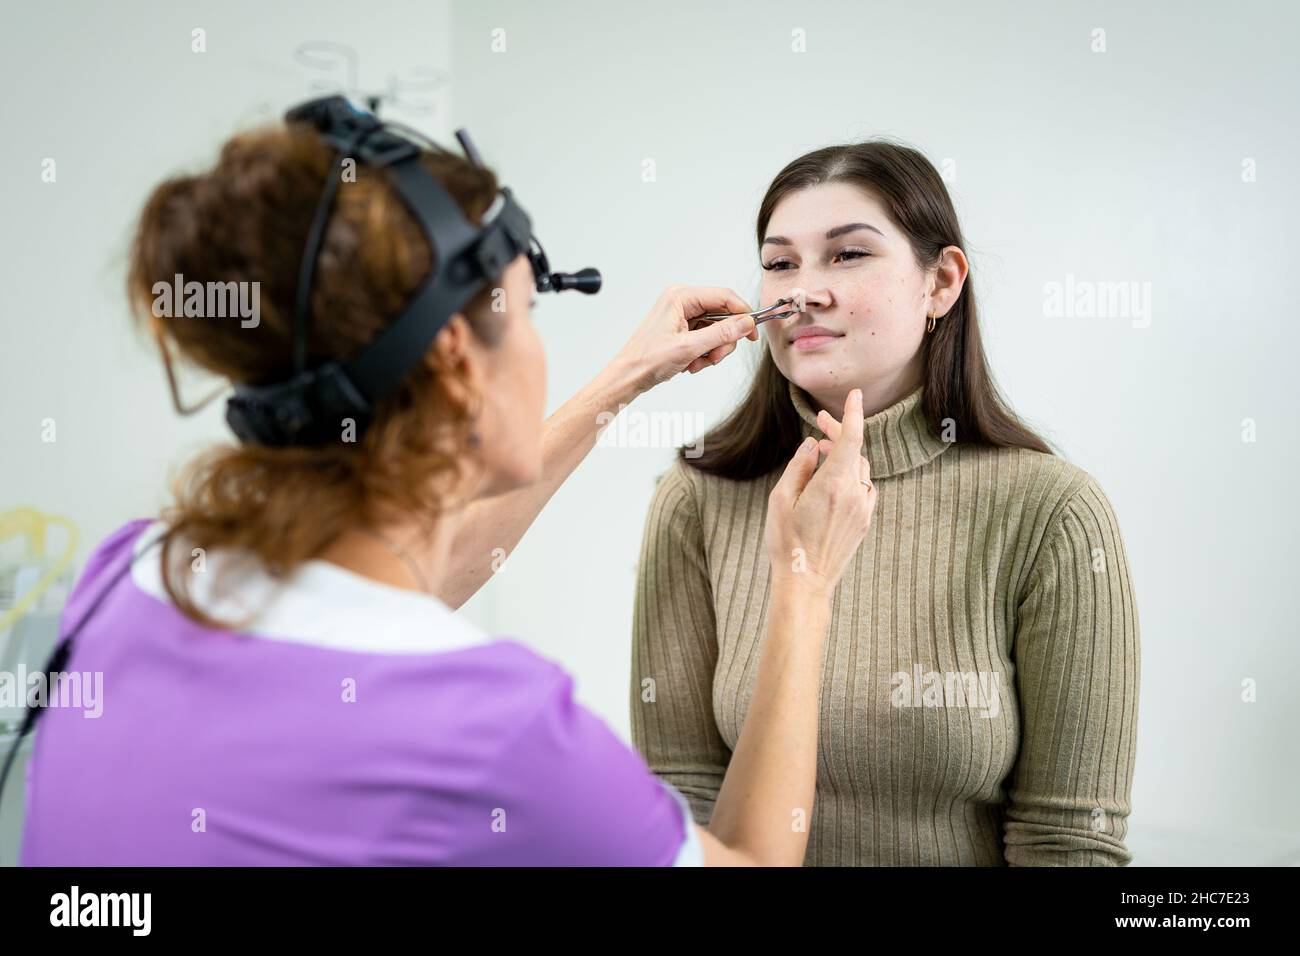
[{"x": 315, "y": 405}]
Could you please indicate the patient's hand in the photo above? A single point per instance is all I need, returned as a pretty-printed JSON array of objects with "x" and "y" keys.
[
  {"x": 666, "y": 343},
  {"x": 817, "y": 516}
]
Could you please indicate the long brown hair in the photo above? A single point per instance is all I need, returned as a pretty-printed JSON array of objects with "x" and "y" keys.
[
  {"x": 759, "y": 435},
  {"x": 246, "y": 220}
]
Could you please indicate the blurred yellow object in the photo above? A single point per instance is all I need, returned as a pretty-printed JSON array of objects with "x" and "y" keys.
[{"x": 33, "y": 524}]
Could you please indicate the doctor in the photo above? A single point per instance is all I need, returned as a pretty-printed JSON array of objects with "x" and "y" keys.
[{"x": 285, "y": 679}]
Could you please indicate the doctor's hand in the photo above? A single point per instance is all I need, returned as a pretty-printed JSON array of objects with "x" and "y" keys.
[
  {"x": 817, "y": 516},
  {"x": 668, "y": 342}
]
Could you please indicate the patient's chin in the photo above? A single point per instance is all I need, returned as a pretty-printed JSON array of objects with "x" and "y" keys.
[{"x": 819, "y": 379}]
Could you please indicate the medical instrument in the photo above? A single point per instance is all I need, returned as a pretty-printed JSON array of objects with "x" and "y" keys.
[{"x": 761, "y": 316}]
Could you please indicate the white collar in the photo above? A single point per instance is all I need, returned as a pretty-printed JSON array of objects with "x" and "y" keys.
[{"x": 320, "y": 604}]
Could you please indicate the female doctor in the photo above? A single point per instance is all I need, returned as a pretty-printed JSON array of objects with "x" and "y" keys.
[{"x": 285, "y": 679}]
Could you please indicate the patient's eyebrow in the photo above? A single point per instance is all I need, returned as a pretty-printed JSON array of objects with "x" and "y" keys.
[{"x": 831, "y": 234}]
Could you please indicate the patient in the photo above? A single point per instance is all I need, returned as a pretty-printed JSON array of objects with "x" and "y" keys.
[{"x": 980, "y": 688}]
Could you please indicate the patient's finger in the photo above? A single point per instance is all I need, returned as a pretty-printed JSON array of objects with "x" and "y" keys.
[
  {"x": 848, "y": 447},
  {"x": 802, "y": 466},
  {"x": 828, "y": 424}
]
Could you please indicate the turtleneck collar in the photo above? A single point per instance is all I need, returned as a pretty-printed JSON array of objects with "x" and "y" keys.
[{"x": 895, "y": 440}]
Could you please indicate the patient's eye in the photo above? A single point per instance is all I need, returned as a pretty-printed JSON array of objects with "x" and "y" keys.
[{"x": 844, "y": 255}]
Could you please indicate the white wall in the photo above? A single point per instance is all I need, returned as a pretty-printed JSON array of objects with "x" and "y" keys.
[{"x": 1117, "y": 166}]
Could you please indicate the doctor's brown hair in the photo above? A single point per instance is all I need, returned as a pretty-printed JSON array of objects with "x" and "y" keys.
[
  {"x": 760, "y": 434},
  {"x": 246, "y": 220}
]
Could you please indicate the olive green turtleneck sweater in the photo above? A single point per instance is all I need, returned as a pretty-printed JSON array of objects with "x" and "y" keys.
[{"x": 979, "y": 696}]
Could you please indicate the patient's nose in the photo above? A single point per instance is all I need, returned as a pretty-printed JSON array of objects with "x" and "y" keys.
[{"x": 806, "y": 300}]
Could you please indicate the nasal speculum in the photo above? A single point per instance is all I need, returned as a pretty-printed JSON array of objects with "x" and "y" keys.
[{"x": 776, "y": 310}]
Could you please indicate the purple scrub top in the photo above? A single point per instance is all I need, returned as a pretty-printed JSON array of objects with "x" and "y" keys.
[{"x": 348, "y": 722}]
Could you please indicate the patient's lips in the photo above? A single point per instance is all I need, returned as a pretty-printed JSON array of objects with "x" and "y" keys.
[{"x": 805, "y": 338}]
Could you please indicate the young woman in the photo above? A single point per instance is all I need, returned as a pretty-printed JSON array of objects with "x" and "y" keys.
[
  {"x": 980, "y": 681},
  {"x": 285, "y": 681}
]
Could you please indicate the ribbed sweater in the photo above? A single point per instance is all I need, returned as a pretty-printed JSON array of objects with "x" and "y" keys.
[{"x": 980, "y": 684}]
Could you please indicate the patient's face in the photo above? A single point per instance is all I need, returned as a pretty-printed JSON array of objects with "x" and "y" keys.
[{"x": 863, "y": 286}]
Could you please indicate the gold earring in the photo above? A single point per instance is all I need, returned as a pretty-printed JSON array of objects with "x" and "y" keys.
[{"x": 929, "y": 325}]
